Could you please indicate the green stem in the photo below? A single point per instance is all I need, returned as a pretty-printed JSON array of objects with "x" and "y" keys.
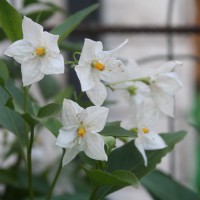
[
  {"x": 93, "y": 193},
  {"x": 29, "y": 162},
  {"x": 56, "y": 177},
  {"x": 145, "y": 80},
  {"x": 26, "y": 110}
]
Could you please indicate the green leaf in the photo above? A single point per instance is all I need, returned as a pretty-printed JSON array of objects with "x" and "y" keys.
[
  {"x": 164, "y": 187},
  {"x": 128, "y": 157},
  {"x": 10, "y": 119},
  {"x": 10, "y": 21},
  {"x": 114, "y": 129},
  {"x": 117, "y": 178},
  {"x": 49, "y": 110},
  {"x": 49, "y": 86},
  {"x": 67, "y": 93},
  {"x": 4, "y": 74},
  {"x": 53, "y": 125},
  {"x": 65, "y": 28}
]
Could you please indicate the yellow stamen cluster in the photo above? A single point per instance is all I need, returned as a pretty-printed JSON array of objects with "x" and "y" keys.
[
  {"x": 98, "y": 65},
  {"x": 81, "y": 132},
  {"x": 145, "y": 130},
  {"x": 40, "y": 51}
]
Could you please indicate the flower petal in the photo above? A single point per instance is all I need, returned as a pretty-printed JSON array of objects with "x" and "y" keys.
[
  {"x": 94, "y": 118},
  {"x": 51, "y": 41},
  {"x": 164, "y": 101},
  {"x": 152, "y": 141},
  {"x": 89, "y": 52},
  {"x": 31, "y": 71},
  {"x": 85, "y": 76},
  {"x": 97, "y": 94},
  {"x": 53, "y": 64},
  {"x": 66, "y": 137},
  {"x": 70, "y": 154},
  {"x": 32, "y": 31},
  {"x": 170, "y": 83},
  {"x": 114, "y": 71},
  {"x": 95, "y": 147},
  {"x": 70, "y": 113},
  {"x": 20, "y": 50},
  {"x": 167, "y": 67},
  {"x": 140, "y": 148}
]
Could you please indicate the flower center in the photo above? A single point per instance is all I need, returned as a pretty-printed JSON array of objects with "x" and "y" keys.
[
  {"x": 81, "y": 132},
  {"x": 145, "y": 130},
  {"x": 98, "y": 65},
  {"x": 40, "y": 51},
  {"x": 132, "y": 90}
]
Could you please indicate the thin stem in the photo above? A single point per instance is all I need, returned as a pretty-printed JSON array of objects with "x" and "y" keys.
[
  {"x": 93, "y": 193},
  {"x": 145, "y": 80},
  {"x": 25, "y": 111},
  {"x": 56, "y": 177},
  {"x": 29, "y": 162}
]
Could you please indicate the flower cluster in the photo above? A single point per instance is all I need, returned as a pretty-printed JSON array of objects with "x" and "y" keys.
[{"x": 149, "y": 92}]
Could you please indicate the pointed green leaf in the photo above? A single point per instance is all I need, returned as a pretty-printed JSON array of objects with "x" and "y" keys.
[
  {"x": 53, "y": 125},
  {"x": 163, "y": 187},
  {"x": 65, "y": 28},
  {"x": 114, "y": 129},
  {"x": 10, "y": 21},
  {"x": 127, "y": 157},
  {"x": 117, "y": 178},
  {"x": 49, "y": 110}
]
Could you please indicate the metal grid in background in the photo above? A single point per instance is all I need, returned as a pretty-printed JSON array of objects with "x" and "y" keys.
[{"x": 93, "y": 29}]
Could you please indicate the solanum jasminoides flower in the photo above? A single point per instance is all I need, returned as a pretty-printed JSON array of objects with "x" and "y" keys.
[
  {"x": 80, "y": 131},
  {"x": 144, "y": 122},
  {"x": 96, "y": 65},
  {"x": 160, "y": 84},
  {"x": 37, "y": 52}
]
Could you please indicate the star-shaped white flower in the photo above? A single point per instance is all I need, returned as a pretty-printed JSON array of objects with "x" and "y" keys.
[
  {"x": 80, "y": 131},
  {"x": 144, "y": 121},
  {"x": 96, "y": 65},
  {"x": 162, "y": 84},
  {"x": 37, "y": 52}
]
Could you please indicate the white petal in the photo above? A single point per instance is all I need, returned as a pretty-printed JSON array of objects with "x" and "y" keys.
[
  {"x": 140, "y": 148},
  {"x": 114, "y": 72},
  {"x": 50, "y": 41},
  {"x": 89, "y": 52},
  {"x": 31, "y": 71},
  {"x": 119, "y": 47},
  {"x": 164, "y": 101},
  {"x": 147, "y": 113},
  {"x": 85, "y": 76},
  {"x": 70, "y": 154},
  {"x": 53, "y": 64},
  {"x": 95, "y": 147},
  {"x": 20, "y": 50},
  {"x": 97, "y": 94},
  {"x": 167, "y": 67},
  {"x": 66, "y": 137},
  {"x": 32, "y": 31},
  {"x": 94, "y": 118},
  {"x": 70, "y": 113},
  {"x": 153, "y": 141},
  {"x": 170, "y": 83}
]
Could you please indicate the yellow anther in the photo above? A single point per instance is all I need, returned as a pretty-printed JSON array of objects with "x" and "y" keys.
[
  {"x": 145, "y": 130},
  {"x": 81, "y": 132},
  {"x": 40, "y": 51},
  {"x": 98, "y": 65}
]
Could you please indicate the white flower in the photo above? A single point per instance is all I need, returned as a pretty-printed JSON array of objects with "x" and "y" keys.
[
  {"x": 96, "y": 65},
  {"x": 80, "y": 131},
  {"x": 37, "y": 52},
  {"x": 162, "y": 84},
  {"x": 144, "y": 122}
]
